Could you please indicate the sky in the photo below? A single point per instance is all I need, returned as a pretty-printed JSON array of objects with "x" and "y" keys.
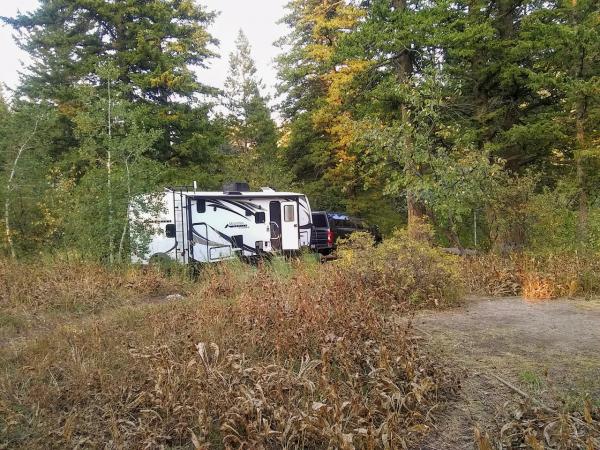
[{"x": 258, "y": 19}]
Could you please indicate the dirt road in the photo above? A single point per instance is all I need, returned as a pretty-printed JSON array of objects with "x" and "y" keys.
[{"x": 550, "y": 350}]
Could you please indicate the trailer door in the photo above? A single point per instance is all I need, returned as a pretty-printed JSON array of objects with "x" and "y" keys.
[{"x": 289, "y": 226}]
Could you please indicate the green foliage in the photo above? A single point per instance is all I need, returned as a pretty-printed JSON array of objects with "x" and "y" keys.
[
  {"x": 439, "y": 105},
  {"x": 26, "y": 130},
  {"x": 554, "y": 222},
  {"x": 152, "y": 47},
  {"x": 249, "y": 119},
  {"x": 477, "y": 116},
  {"x": 252, "y": 134},
  {"x": 403, "y": 269}
]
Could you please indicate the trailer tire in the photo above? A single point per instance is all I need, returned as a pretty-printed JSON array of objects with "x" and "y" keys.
[{"x": 161, "y": 261}]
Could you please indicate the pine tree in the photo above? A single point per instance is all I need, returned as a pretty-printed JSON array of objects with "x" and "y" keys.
[
  {"x": 562, "y": 40},
  {"x": 153, "y": 44},
  {"x": 252, "y": 132},
  {"x": 318, "y": 127},
  {"x": 249, "y": 118},
  {"x": 404, "y": 106}
]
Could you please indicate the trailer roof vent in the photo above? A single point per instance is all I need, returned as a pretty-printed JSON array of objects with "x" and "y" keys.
[
  {"x": 267, "y": 189},
  {"x": 236, "y": 187}
]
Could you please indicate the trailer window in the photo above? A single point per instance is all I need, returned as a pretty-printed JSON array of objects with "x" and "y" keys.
[
  {"x": 200, "y": 205},
  {"x": 319, "y": 220},
  {"x": 259, "y": 217},
  {"x": 289, "y": 213},
  {"x": 170, "y": 230}
]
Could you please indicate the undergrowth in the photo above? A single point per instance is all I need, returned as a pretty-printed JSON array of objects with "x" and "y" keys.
[
  {"x": 538, "y": 428},
  {"x": 534, "y": 276},
  {"x": 86, "y": 287},
  {"x": 254, "y": 357},
  {"x": 40, "y": 294}
]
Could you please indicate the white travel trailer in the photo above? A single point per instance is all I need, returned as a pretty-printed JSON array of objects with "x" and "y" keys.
[{"x": 194, "y": 226}]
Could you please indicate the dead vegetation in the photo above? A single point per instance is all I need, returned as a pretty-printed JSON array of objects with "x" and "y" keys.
[
  {"x": 536, "y": 277},
  {"x": 68, "y": 286},
  {"x": 41, "y": 294},
  {"x": 252, "y": 358},
  {"x": 284, "y": 355},
  {"x": 539, "y": 428}
]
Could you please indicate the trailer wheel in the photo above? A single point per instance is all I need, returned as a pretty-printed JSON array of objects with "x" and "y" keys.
[{"x": 161, "y": 261}]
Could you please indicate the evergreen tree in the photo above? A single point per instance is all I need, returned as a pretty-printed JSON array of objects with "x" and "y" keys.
[
  {"x": 562, "y": 40},
  {"x": 249, "y": 118},
  {"x": 252, "y": 132},
  {"x": 154, "y": 46},
  {"x": 317, "y": 135}
]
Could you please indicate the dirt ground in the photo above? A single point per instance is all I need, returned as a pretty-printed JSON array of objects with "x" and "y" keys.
[{"x": 550, "y": 350}]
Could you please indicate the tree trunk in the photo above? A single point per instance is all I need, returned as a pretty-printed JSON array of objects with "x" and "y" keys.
[
  {"x": 416, "y": 211},
  {"x": 9, "y": 187},
  {"x": 583, "y": 212},
  {"x": 126, "y": 225}
]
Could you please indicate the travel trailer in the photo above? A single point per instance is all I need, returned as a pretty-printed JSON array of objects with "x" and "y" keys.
[{"x": 195, "y": 226}]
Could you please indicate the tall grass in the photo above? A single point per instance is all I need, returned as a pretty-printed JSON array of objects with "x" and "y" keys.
[
  {"x": 253, "y": 358},
  {"x": 38, "y": 294},
  {"x": 534, "y": 276}
]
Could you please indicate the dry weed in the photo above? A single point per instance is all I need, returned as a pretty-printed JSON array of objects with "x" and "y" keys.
[
  {"x": 77, "y": 286},
  {"x": 536, "y": 428},
  {"x": 491, "y": 275},
  {"x": 533, "y": 276},
  {"x": 252, "y": 360}
]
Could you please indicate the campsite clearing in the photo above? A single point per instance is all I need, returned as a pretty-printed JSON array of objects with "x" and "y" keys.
[{"x": 550, "y": 350}]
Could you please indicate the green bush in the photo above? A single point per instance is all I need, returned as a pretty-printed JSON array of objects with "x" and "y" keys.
[{"x": 402, "y": 269}]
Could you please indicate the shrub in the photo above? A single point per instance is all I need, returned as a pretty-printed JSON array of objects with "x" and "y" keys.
[
  {"x": 569, "y": 274},
  {"x": 403, "y": 270},
  {"x": 491, "y": 274}
]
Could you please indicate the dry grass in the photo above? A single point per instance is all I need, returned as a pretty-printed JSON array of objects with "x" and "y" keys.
[
  {"x": 535, "y": 428},
  {"x": 77, "y": 286},
  {"x": 252, "y": 359},
  {"x": 34, "y": 295},
  {"x": 491, "y": 275},
  {"x": 536, "y": 277}
]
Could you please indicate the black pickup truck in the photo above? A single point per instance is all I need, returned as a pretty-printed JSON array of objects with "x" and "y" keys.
[{"x": 329, "y": 226}]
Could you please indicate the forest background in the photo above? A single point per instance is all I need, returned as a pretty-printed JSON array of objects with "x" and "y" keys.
[{"x": 479, "y": 117}]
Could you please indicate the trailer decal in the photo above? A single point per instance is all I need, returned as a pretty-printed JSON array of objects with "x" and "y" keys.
[{"x": 217, "y": 204}]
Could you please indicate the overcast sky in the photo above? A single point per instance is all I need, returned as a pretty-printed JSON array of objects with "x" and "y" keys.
[{"x": 258, "y": 19}]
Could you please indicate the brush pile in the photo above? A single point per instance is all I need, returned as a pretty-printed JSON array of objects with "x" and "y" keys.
[{"x": 312, "y": 358}]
